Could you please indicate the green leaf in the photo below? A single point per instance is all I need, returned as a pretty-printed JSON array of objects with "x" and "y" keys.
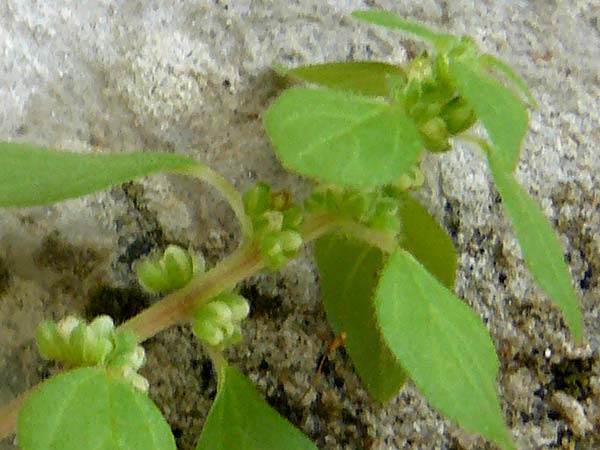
[
  {"x": 389, "y": 20},
  {"x": 499, "y": 109},
  {"x": 348, "y": 272},
  {"x": 361, "y": 77},
  {"x": 427, "y": 241},
  {"x": 443, "y": 345},
  {"x": 241, "y": 420},
  {"x": 541, "y": 249},
  {"x": 31, "y": 176},
  {"x": 518, "y": 82},
  {"x": 342, "y": 138},
  {"x": 87, "y": 409}
]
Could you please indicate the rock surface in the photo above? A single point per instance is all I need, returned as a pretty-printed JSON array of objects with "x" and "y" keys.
[{"x": 194, "y": 77}]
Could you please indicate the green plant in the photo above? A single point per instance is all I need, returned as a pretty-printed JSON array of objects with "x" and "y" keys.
[{"x": 387, "y": 268}]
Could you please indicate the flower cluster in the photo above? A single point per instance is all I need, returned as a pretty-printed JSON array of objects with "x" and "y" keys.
[
  {"x": 373, "y": 209},
  {"x": 77, "y": 343},
  {"x": 276, "y": 221},
  {"x": 172, "y": 271},
  {"x": 218, "y": 323},
  {"x": 431, "y": 100}
]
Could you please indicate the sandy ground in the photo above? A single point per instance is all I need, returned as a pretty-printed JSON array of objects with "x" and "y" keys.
[{"x": 133, "y": 75}]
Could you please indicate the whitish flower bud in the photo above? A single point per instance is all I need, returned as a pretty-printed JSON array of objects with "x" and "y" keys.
[
  {"x": 79, "y": 345},
  {"x": 208, "y": 332},
  {"x": 137, "y": 357},
  {"x": 103, "y": 326},
  {"x": 269, "y": 222},
  {"x": 239, "y": 306},
  {"x": 435, "y": 135},
  {"x": 138, "y": 382},
  {"x": 66, "y": 326},
  {"x": 178, "y": 266}
]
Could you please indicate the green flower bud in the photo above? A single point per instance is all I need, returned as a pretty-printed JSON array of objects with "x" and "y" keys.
[
  {"x": 208, "y": 332},
  {"x": 435, "y": 135},
  {"x": 137, "y": 357},
  {"x": 355, "y": 205},
  {"x": 257, "y": 199},
  {"x": 236, "y": 337},
  {"x": 125, "y": 344},
  {"x": 292, "y": 218},
  {"x": 152, "y": 277},
  {"x": 458, "y": 116},
  {"x": 385, "y": 222},
  {"x": 291, "y": 241},
  {"x": 49, "y": 344},
  {"x": 217, "y": 312},
  {"x": 239, "y": 306},
  {"x": 79, "y": 345},
  {"x": 178, "y": 266}
]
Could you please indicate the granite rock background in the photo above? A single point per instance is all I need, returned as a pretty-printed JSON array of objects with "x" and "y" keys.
[{"x": 194, "y": 77}]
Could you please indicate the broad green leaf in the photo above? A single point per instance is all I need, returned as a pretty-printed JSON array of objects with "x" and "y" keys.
[
  {"x": 497, "y": 107},
  {"x": 241, "y": 420},
  {"x": 389, "y": 20},
  {"x": 341, "y": 138},
  {"x": 31, "y": 176},
  {"x": 443, "y": 345},
  {"x": 427, "y": 241},
  {"x": 495, "y": 63},
  {"x": 87, "y": 409},
  {"x": 541, "y": 249},
  {"x": 361, "y": 77},
  {"x": 348, "y": 271}
]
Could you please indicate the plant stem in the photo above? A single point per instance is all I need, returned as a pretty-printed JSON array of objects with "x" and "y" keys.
[
  {"x": 216, "y": 180},
  {"x": 241, "y": 264}
]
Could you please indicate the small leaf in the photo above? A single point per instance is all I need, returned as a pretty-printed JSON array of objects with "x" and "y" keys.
[
  {"x": 342, "y": 138},
  {"x": 360, "y": 77},
  {"x": 348, "y": 272},
  {"x": 541, "y": 249},
  {"x": 499, "y": 109},
  {"x": 389, "y": 20},
  {"x": 427, "y": 241},
  {"x": 87, "y": 409},
  {"x": 241, "y": 420},
  {"x": 31, "y": 176},
  {"x": 443, "y": 345}
]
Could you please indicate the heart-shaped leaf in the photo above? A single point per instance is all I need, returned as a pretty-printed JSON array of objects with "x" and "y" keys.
[
  {"x": 542, "y": 252},
  {"x": 348, "y": 271},
  {"x": 442, "y": 344},
  {"x": 341, "y": 138},
  {"x": 241, "y": 420},
  {"x": 31, "y": 176},
  {"x": 87, "y": 409}
]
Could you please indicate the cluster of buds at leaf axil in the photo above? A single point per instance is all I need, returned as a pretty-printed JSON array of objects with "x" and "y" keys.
[
  {"x": 374, "y": 209},
  {"x": 431, "y": 100},
  {"x": 77, "y": 343},
  {"x": 172, "y": 271},
  {"x": 276, "y": 221},
  {"x": 218, "y": 322}
]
